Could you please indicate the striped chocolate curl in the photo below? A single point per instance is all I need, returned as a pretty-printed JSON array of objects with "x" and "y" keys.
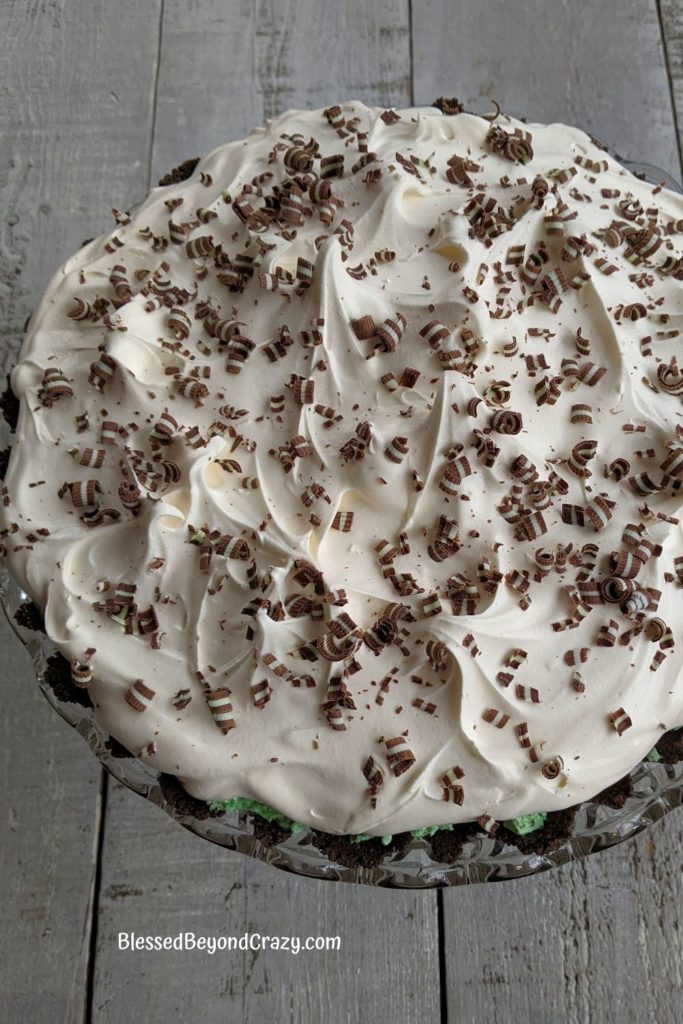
[
  {"x": 531, "y": 527},
  {"x": 581, "y": 455},
  {"x": 399, "y": 755},
  {"x": 54, "y": 386},
  {"x": 524, "y": 470},
  {"x": 390, "y": 333},
  {"x": 505, "y": 421},
  {"x": 515, "y": 145},
  {"x": 397, "y": 449},
  {"x": 670, "y": 377},
  {"x": 618, "y": 468}
]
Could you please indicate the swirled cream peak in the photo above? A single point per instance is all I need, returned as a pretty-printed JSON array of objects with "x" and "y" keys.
[{"x": 348, "y": 471}]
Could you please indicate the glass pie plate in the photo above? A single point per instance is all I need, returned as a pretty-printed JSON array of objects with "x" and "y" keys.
[{"x": 657, "y": 788}]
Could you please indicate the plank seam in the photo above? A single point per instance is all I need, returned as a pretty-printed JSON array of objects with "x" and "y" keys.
[
  {"x": 443, "y": 990},
  {"x": 411, "y": 55},
  {"x": 92, "y": 936},
  {"x": 155, "y": 94},
  {"x": 670, "y": 84}
]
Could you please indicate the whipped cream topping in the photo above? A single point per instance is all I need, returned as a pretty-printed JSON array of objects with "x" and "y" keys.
[{"x": 348, "y": 471}]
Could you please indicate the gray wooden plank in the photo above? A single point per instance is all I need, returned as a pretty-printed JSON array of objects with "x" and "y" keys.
[
  {"x": 76, "y": 83},
  {"x": 225, "y": 67},
  {"x": 159, "y": 880},
  {"x": 671, "y": 16},
  {"x": 48, "y": 804},
  {"x": 601, "y": 67},
  {"x": 598, "y": 939}
]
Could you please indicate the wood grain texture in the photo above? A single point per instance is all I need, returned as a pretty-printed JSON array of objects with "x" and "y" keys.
[
  {"x": 48, "y": 810},
  {"x": 599, "y": 938},
  {"x": 158, "y": 879},
  {"x": 226, "y": 66},
  {"x": 75, "y": 123},
  {"x": 600, "y": 66},
  {"x": 671, "y": 16}
]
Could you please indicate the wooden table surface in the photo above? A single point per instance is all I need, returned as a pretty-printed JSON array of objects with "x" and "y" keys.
[{"x": 99, "y": 98}]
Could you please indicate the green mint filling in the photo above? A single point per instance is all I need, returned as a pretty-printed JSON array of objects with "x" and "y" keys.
[
  {"x": 243, "y": 803},
  {"x": 526, "y": 823},
  {"x": 429, "y": 830},
  {"x": 522, "y": 825},
  {"x": 654, "y": 755}
]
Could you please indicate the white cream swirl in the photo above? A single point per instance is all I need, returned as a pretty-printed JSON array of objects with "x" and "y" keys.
[{"x": 446, "y": 266}]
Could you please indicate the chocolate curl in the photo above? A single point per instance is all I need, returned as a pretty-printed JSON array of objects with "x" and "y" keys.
[
  {"x": 625, "y": 564},
  {"x": 399, "y": 755},
  {"x": 672, "y": 466},
  {"x": 533, "y": 265},
  {"x": 486, "y": 822},
  {"x": 547, "y": 391},
  {"x": 232, "y": 547},
  {"x": 437, "y": 654},
  {"x": 190, "y": 387},
  {"x": 313, "y": 493},
  {"x": 577, "y": 656},
  {"x": 514, "y": 660},
  {"x": 139, "y": 696},
  {"x": 93, "y": 458},
  {"x": 338, "y": 695},
  {"x": 463, "y": 593},
  {"x": 527, "y": 693},
  {"x": 531, "y": 527},
  {"x": 431, "y": 604},
  {"x": 179, "y": 323},
  {"x": 617, "y": 469},
  {"x": 364, "y": 328},
  {"x": 81, "y": 674},
  {"x": 83, "y": 493},
  {"x": 553, "y": 767},
  {"x": 101, "y": 371},
  {"x": 670, "y": 377},
  {"x": 164, "y": 430},
  {"x": 522, "y": 731},
  {"x": 620, "y": 721},
  {"x": 54, "y": 386},
  {"x": 390, "y": 333},
  {"x": 435, "y": 334},
  {"x": 397, "y": 449},
  {"x": 147, "y": 622},
  {"x": 523, "y": 470},
  {"x": 238, "y": 352},
  {"x": 446, "y": 541},
  {"x": 505, "y": 421},
  {"x": 487, "y": 450},
  {"x": 616, "y": 589},
  {"x": 220, "y": 706},
  {"x": 607, "y": 634},
  {"x": 80, "y": 310},
  {"x": 343, "y": 521},
  {"x": 373, "y": 775},
  {"x": 454, "y": 473},
  {"x": 639, "y": 600},
  {"x": 181, "y": 700},
  {"x": 495, "y": 718},
  {"x": 581, "y": 455},
  {"x": 536, "y": 752},
  {"x": 303, "y": 274}
]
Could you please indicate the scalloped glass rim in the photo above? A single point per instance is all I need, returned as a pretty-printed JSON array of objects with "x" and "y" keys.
[{"x": 657, "y": 788}]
